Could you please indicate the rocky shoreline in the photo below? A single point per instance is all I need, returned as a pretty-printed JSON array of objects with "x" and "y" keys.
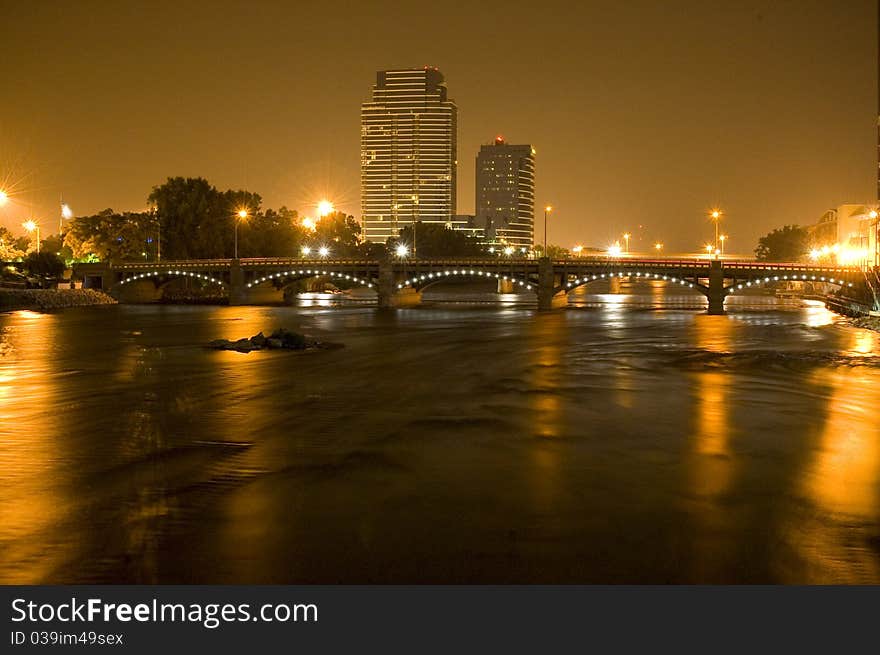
[
  {"x": 866, "y": 322},
  {"x": 281, "y": 339},
  {"x": 49, "y": 299}
]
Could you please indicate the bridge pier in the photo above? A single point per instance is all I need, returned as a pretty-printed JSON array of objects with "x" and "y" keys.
[
  {"x": 716, "y": 288},
  {"x": 237, "y": 291},
  {"x": 548, "y": 297},
  {"x": 389, "y": 296},
  {"x": 506, "y": 286}
]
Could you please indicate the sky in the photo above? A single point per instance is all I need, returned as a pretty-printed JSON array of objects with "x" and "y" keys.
[{"x": 644, "y": 114}]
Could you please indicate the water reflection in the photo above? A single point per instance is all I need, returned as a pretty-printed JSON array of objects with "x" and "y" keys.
[
  {"x": 842, "y": 479},
  {"x": 453, "y": 444}
]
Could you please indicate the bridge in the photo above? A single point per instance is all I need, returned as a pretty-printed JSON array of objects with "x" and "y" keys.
[{"x": 400, "y": 282}]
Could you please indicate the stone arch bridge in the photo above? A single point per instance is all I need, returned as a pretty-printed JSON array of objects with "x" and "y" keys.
[{"x": 400, "y": 282}]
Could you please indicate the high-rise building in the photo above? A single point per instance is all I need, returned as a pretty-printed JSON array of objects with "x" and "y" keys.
[
  {"x": 408, "y": 152},
  {"x": 505, "y": 192}
]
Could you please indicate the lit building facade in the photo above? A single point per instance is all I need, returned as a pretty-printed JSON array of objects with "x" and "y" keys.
[
  {"x": 408, "y": 153},
  {"x": 846, "y": 235},
  {"x": 505, "y": 193}
]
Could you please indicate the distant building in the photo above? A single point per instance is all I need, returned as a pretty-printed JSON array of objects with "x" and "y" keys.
[
  {"x": 505, "y": 193},
  {"x": 408, "y": 152},
  {"x": 846, "y": 234}
]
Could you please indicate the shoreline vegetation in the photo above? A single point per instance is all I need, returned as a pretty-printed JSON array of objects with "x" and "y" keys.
[{"x": 49, "y": 299}]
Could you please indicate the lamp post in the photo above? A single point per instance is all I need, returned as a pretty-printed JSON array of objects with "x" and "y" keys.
[
  {"x": 626, "y": 236},
  {"x": 547, "y": 210},
  {"x": 716, "y": 217},
  {"x": 658, "y": 247},
  {"x": 31, "y": 225},
  {"x": 242, "y": 215},
  {"x": 721, "y": 240},
  {"x": 66, "y": 213}
]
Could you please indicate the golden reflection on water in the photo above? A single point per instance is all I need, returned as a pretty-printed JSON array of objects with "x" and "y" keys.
[
  {"x": 33, "y": 466},
  {"x": 712, "y": 469},
  {"x": 843, "y": 477}
]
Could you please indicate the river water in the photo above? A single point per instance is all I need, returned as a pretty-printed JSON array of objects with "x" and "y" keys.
[{"x": 629, "y": 438}]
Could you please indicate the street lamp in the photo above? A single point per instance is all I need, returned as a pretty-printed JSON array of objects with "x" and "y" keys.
[
  {"x": 508, "y": 251},
  {"x": 401, "y": 250},
  {"x": 709, "y": 249},
  {"x": 306, "y": 251},
  {"x": 242, "y": 215},
  {"x": 716, "y": 218},
  {"x": 547, "y": 210},
  {"x": 31, "y": 225},
  {"x": 66, "y": 213},
  {"x": 626, "y": 236},
  {"x": 323, "y": 251},
  {"x": 721, "y": 240},
  {"x": 658, "y": 247},
  {"x": 324, "y": 207},
  {"x": 4, "y": 197}
]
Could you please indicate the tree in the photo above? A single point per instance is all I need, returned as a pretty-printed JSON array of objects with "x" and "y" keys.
[
  {"x": 44, "y": 264},
  {"x": 339, "y": 232},
  {"x": 111, "y": 236},
  {"x": 196, "y": 220},
  {"x": 786, "y": 244},
  {"x": 9, "y": 250},
  {"x": 437, "y": 240},
  {"x": 270, "y": 234},
  {"x": 553, "y": 252}
]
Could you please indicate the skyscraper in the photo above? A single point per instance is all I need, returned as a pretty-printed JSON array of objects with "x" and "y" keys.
[
  {"x": 505, "y": 190},
  {"x": 408, "y": 152}
]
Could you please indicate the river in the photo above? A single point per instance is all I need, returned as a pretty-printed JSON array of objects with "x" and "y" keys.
[{"x": 627, "y": 439}]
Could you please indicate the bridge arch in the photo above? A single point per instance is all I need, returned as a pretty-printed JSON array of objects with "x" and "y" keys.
[
  {"x": 582, "y": 280},
  {"x": 422, "y": 281},
  {"x": 773, "y": 279},
  {"x": 303, "y": 274},
  {"x": 169, "y": 275}
]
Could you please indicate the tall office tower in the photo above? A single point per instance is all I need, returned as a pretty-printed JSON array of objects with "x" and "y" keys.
[
  {"x": 505, "y": 202},
  {"x": 408, "y": 152}
]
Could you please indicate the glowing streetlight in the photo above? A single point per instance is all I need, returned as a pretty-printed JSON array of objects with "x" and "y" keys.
[
  {"x": 508, "y": 251},
  {"x": 242, "y": 215},
  {"x": 658, "y": 246},
  {"x": 872, "y": 214},
  {"x": 32, "y": 226},
  {"x": 721, "y": 240},
  {"x": 547, "y": 210},
  {"x": 709, "y": 249},
  {"x": 626, "y": 236},
  {"x": 577, "y": 250},
  {"x": 324, "y": 207},
  {"x": 4, "y": 197},
  {"x": 715, "y": 215},
  {"x": 309, "y": 223},
  {"x": 323, "y": 251},
  {"x": 306, "y": 251},
  {"x": 401, "y": 250},
  {"x": 614, "y": 249}
]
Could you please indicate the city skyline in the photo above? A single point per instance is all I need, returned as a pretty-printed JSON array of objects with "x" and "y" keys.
[{"x": 650, "y": 136}]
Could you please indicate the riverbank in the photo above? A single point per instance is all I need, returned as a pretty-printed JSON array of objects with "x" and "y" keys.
[
  {"x": 866, "y": 322},
  {"x": 47, "y": 299}
]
